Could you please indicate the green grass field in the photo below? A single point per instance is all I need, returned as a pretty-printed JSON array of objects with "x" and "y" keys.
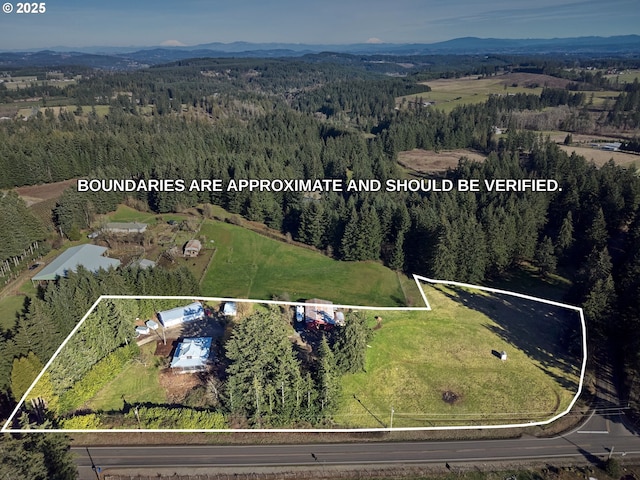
[
  {"x": 137, "y": 383},
  {"x": 450, "y": 93},
  {"x": 417, "y": 356},
  {"x": 128, "y": 214},
  {"x": 9, "y": 308},
  {"x": 626, "y": 77},
  {"x": 249, "y": 265}
]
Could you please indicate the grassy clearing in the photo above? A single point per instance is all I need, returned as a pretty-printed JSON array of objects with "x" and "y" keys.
[
  {"x": 416, "y": 356},
  {"x": 249, "y": 265},
  {"x": 128, "y": 214},
  {"x": 10, "y": 306},
  {"x": 600, "y": 157},
  {"x": 450, "y": 93},
  {"x": 137, "y": 383},
  {"x": 600, "y": 98},
  {"x": 428, "y": 161},
  {"x": 628, "y": 76}
]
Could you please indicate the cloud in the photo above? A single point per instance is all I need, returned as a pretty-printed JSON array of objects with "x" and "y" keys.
[
  {"x": 374, "y": 40},
  {"x": 173, "y": 43}
]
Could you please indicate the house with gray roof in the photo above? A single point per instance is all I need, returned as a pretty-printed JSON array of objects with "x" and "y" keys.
[{"x": 192, "y": 355}]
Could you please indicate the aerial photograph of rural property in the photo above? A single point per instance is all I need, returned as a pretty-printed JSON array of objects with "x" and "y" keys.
[{"x": 334, "y": 240}]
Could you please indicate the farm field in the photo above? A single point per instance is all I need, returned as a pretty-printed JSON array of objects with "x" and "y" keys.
[
  {"x": 128, "y": 214},
  {"x": 39, "y": 193},
  {"x": 450, "y": 93},
  {"x": 442, "y": 367},
  {"x": 249, "y": 265},
  {"x": 428, "y": 161},
  {"x": 558, "y": 136},
  {"x": 600, "y": 157},
  {"x": 628, "y": 76},
  {"x": 14, "y": 83}
]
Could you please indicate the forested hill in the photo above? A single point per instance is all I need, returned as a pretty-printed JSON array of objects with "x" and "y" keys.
[
  {"x": 276, "y": 119},
  {"x": 131, "y": 57}
]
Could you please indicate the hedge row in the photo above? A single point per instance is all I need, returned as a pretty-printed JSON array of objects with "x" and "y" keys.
[{"x": 100, "y": 374}]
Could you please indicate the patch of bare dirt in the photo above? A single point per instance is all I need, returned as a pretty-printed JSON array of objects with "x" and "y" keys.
[
  {"x": 429, "y": 161},
  {"x": 163, "y": 350},
  {"x": 37, "y": 193},
  {"x": 600, "y": 157},
  {"x": 450, "y": 397},
  {"x": 178, "y": 385}
]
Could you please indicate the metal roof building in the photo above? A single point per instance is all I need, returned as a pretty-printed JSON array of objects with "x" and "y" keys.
[
  {"x": 192, "y": 354},
  {"x": 88, "y": 256},
  {"x": 143, "y": 263},
  {"x": 176, "y": 316}
]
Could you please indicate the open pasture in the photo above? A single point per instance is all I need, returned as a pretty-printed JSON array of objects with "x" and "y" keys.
[{"x": 443, "y": 367}]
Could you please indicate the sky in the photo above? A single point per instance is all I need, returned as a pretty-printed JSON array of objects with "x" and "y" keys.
[{"x": 87, "y": 23}]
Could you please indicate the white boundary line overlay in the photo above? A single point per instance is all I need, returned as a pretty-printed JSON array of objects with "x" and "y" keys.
[{"x": 417, "y": 278}]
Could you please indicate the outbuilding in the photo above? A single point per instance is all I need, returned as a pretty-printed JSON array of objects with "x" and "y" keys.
[
  {"x": 230, "y": 309},
  {"x": 90, "y": 257},
  {"x": 192, "y": 248},
  {"x": 179, "y": 315}
]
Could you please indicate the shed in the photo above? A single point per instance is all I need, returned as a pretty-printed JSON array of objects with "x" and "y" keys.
[
  {"x": 87, "y": 256},
  {"x": 142, "y": 330},
  {"x": 192, "y": 354},
  {"x": 143, "y": 263},
  {"x": 230, "y": 309},
  {"x": 176, "y": 316},
  {"x": 503, "y": 355},
  {"x": 151, "y": 324},
  {"x": 192, "y": 248}
]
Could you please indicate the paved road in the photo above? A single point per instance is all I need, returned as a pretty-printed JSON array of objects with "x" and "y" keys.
[{"x": 593, "y": 440}]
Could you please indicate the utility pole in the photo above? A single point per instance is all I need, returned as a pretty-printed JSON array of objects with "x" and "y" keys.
[{"x": 391, "y": 423}]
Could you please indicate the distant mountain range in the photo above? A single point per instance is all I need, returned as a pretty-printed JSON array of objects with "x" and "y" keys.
[{"x": 135, "y": 57}]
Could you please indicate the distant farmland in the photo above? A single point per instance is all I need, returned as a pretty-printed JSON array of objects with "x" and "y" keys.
[
  {"x": 428, "y": 161},
  {"x": 600, "y": 157}
]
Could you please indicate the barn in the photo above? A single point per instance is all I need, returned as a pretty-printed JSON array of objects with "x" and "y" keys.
[{"x": 90, "y": 257}]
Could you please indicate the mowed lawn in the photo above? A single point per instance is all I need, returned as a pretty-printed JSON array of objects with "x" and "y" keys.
[
  {"x": 249, "y": 265},
  {"x": 10, "y": 306},
  {"x": 137, "y": 383},
  {"x": 418, "y": 356}
]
